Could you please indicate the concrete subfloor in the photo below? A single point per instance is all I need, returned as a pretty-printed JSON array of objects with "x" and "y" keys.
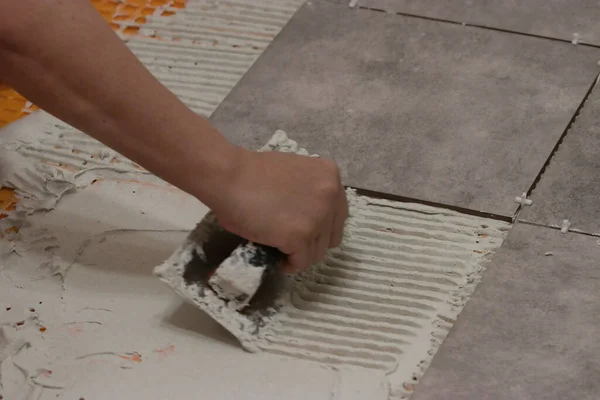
[{"x": 468, "y": 117}]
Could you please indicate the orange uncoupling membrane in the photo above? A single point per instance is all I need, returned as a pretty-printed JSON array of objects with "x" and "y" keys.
[{"x": 125, "y": 16}]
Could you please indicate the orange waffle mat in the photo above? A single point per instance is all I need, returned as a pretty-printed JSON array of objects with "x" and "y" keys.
[{"x": 125, "y": 16}]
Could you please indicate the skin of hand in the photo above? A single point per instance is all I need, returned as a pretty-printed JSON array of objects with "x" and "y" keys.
[
  {"x": 295, "y": 203},
  {"x": 63, "y": 57}
]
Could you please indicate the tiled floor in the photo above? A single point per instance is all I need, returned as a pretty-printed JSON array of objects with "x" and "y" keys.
[
  {"x": 436, "y": 111},
  {"x": 570, "y": 186},
  {"x": 467, "y": 116},
  {"x": 556, "y": 19},
  {"x": 530, "y": 330}
]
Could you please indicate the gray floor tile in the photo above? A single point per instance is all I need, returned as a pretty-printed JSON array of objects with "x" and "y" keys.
[
  {"x": 558, "y": 19},
  {"x": 428, "y": 110},
  {"x": 531, "y": 329},
  {"x": 570, "y": 186}
]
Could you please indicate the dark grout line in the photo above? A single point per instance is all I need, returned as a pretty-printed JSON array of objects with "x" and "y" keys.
[
  {"x": 522, "y": 221},
  {"x": 486, "y": 27},
  {"x": 557, "y": 146},
  {"x": 556, "y": 228},
  {"x": 562, "y": 137},
  {"x": 403, "y": 199},
  {"x": 517, "y": 212}
]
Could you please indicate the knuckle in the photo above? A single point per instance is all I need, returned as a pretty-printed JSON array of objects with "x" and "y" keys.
[
  {"x": 330, "y": 186},
  {"x": 334, "y": 170},
  {"x": 305, "y": 232},
  {"x": 329, "y": 166},
  {"x": 330, "y": 189},
  {"x": 297, "y": 236}
]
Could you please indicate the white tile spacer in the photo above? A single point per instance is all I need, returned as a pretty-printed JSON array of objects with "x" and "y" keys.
[
  {"x": 353, "y": 3},
  {"x": 575, "y": 40},
  {"x": 565, "y": 226},
  {"x": 523, "y": 200}
]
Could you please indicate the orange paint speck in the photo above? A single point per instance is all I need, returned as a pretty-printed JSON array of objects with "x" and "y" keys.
[
  {"x": 164, "y": 352},
  {"x": 12, "y": 229},
  {"x": 8, "y": 201},
  {"x": 135, "y": 357}
]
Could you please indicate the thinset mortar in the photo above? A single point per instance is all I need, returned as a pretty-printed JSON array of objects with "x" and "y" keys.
[{"x": 384, "y": 300}]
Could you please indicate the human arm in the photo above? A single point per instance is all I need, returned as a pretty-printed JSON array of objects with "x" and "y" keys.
[{"x": 63, "y": 57}]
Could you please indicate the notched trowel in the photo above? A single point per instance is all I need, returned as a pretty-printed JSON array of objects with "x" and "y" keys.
[{"x": 236, "y": 282}]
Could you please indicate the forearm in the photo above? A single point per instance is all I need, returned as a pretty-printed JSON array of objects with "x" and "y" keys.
[{"x": 63, "y": 57}]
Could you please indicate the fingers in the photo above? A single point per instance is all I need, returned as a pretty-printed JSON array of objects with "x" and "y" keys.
[
  {"x": 341, "y": 214},
  {"x": 300, "y": 260},
  {"x": 330, "y": 236},
  {"x": 323, "y": 241},
  {"x": 314, "y": 251},
  {"x": 328, "y": 230}
]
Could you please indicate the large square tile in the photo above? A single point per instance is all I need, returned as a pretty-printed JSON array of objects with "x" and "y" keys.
[
  {"x": 427, "y": 110},
  {"x": 570, "y": 186},
  {"x": 557, "y": 19},
  {"x": 531, "y": 329}
]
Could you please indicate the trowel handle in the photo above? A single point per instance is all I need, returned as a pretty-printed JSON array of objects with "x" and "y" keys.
[{"x": 264, "y": 256}]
